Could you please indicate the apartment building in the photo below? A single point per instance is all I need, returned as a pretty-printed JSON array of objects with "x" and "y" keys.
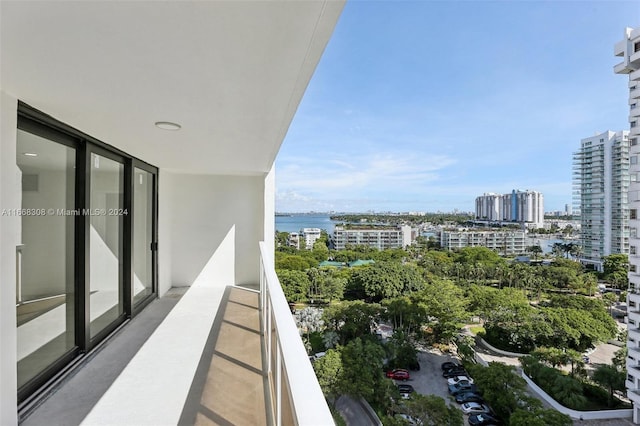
[
  {"x": 504, "y": 242},
  {"x": 526, "y": 207},
  {"x": 380, "y": 238},
  {"x": 294, "y": 240},
  {"x": 629, "y": 50},
  {"x": 311, "y": 235},
  {"x": 601, "y": 185},
  {"x": 137, "y": 145}
]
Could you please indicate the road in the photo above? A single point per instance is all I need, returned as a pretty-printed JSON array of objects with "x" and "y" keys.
[{"x": 352, "y": 412}]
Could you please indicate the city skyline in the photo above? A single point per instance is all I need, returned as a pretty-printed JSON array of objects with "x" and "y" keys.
[{"x": 423, "y": 106}]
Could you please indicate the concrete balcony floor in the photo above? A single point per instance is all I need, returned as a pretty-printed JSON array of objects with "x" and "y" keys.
[{"x": 165, "y": 367}]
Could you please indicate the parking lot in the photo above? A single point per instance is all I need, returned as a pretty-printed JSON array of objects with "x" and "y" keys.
[{"x": 428, "y": 380}]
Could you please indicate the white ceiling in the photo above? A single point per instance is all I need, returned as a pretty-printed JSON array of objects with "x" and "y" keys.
[{"x": 230, "y": 72}]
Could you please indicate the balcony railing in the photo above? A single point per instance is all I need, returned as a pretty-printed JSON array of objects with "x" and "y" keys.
[{"x": 296, "y": 397}]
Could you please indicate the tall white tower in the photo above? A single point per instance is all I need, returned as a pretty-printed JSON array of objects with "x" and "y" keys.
[
  {"x": 629, "y": 49},
  {"x": 601, "y": 185}
]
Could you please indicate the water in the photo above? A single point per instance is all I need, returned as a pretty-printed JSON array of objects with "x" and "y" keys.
[
  {"x": 296, "y": 222},
  {"x": 545, "y": 243}
]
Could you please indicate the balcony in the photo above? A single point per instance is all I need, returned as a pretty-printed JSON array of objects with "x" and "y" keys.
[
  {"x": 221, "y": 355},
  {"x": 635, "y": 75},
  {"x": 622, "y": 68}
]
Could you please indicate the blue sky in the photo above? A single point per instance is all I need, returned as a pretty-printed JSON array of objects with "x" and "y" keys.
[{"x": 423, "y": 106}]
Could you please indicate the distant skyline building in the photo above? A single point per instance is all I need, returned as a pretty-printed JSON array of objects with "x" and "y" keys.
[
  {"x": 601, "y": 185},
  {"x": 629, "y": 49},
  {"x": 525, "y": 207}
]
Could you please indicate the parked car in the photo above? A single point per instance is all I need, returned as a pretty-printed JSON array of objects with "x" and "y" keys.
[
  {"x": 399, "y": 374},
  {"x": 483, "y": 419},
  {"x": 462, "y": 387},
  {"x": 405, "y": 391},
  {"x": 468, "y": 397},
  {"x": 456, "y": 379},
  {"x": 449, "y": 365},
  {"x": 455, "y": 372},
  {"x": 406, "y": 388},
  {"x": 475, "y": 408}
]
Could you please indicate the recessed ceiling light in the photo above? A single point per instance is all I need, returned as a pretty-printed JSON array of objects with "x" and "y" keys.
[
  {"x": 30, "y": 154},
  {"x": 167, "y": 125}
]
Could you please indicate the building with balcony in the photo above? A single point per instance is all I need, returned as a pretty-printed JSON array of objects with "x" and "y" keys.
[
  {"x": 504, "y": 242},
  {"x": 526, "y": 207},
  {"x": 294, "y": 240},
  {"x": 137, "y": 145},
  {"x": 601, "y": 185},
  {"x": 629, "y": 49},
  {"x": 311, "y": 235},
  {"x": 380, "y": 238}
]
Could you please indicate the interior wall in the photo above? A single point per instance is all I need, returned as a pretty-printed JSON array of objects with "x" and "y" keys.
[
  {"x": 203, "y": 211},
  {"x": 10, "y": 232},
  {"x": 165, "y": 189},
  {"x": 47, "y": 271}
]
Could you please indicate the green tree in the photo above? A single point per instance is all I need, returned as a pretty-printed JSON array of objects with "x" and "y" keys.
[
  {"x": 362, "y": 362},
  {"x": 500, "y": 386},
  {"x": 569, "y": 392},
  {"x": 534, "y": 250},
  {"x": 610, "y": 299},
  {"x": 443, "y": 306},
  {"x": 351, "y": 319},
  {"x": 539, "y": 417},
  {"x": 478, "y": 255},
  {"x": 553, "y": 356},
  {"x": 432, "y": 410},
  {"x": 329, "y": 371},
  {"x": 619, "y": 359},
  {"x": 295, "y": 284},
  {"x": 610, "y": 378},
  {"x": 401, "y": 352},
  {"x": 293, "y": 262},
  {"x": 615, "y": 263},
  {"x": 384, "y": 280}
]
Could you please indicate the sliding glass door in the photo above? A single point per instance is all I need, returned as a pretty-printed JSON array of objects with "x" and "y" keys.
[
  {"x": 143, "y": 234},
  {"x": 45, "y": 288},
  {"x": 87, "y": 260},
  {"x": 105, "y": 216}
]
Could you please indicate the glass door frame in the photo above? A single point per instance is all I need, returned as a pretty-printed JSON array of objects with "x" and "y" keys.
[
  {"x": 36, "y": 122},
  {"x": 124, "y": 263},
  {"x": 37, "y": 127},
  {"x": 134, "y": 164}
]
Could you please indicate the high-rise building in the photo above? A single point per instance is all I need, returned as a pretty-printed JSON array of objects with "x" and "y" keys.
[
  {"x": 629, "y": 49},
  {"x": 137, "y": 151},
  {"x": 601, "y": 185},
  {"x": 525, "y": 207}
]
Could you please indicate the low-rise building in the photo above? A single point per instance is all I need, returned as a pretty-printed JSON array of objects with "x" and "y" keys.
[
  {"x": 504, "y": 242},
  {"x": 377, "y": 237},
  {"x": 311, "y": 235}
]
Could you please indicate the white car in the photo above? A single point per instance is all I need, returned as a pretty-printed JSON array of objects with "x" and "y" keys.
[
  {"x": 457, "y": 379},
  {"x": 475, "y": 408}
]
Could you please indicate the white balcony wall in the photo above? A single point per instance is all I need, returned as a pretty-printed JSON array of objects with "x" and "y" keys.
[
  {"x": 10, "y": 232},
  {"x": 197, "y": 212}
]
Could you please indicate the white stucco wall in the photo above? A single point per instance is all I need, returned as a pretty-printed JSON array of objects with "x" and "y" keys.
[
  {"x": 9, "y": 239},
  {"x": 202, "y": 210}
]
